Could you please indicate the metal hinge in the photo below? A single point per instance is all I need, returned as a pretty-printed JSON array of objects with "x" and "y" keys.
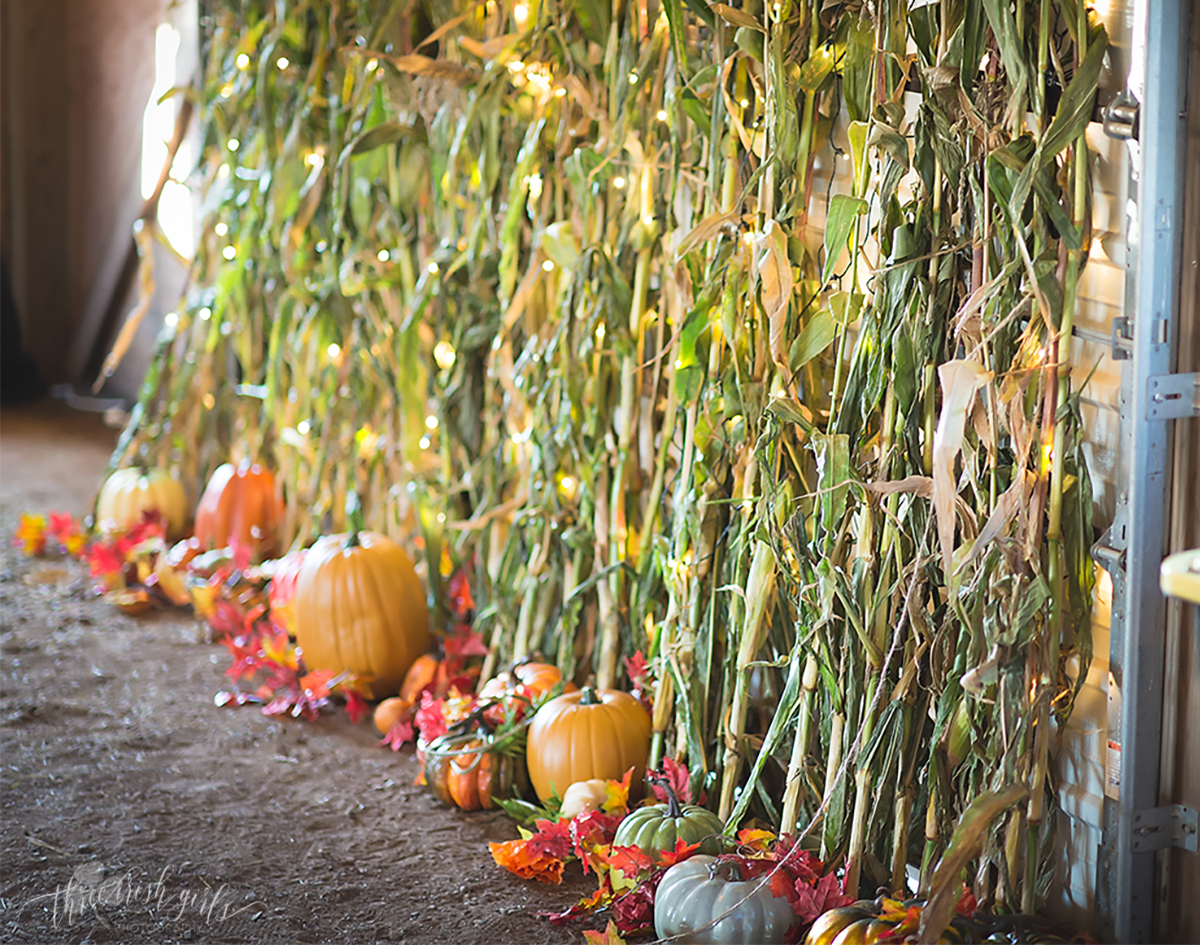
[
  {"x": 1158, "y": 828},
  {"x": 1121, "y": 116},
  {"x": 1122, "y": 331},
  {"x": 1173, "y": 396}
]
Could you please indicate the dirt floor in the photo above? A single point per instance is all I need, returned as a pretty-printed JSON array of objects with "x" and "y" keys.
[{"x": 134, "y": 810}]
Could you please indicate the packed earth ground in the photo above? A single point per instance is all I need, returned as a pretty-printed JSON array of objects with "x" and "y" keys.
[{"x": 135, "y": 810}]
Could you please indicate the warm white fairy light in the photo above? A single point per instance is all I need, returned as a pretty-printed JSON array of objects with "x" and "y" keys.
[
  {"x": 303, "y": 427},
  {"x": 171, "y": 319},
  {"x": 433, "y": 268},
  {"x": 424, "y": 442},
  {"x": 521, "y": 14},
  {"x": 372, "y": 65},
  {"x": 205, "y": 314},
  {"x": 745, "y": 103},
  {"x": 333, "y": 351},
  {"x": 383, "y": 255},
  {"x": 661, "y": 115},
  {"x": 516, "y": 66},
  {"x": 619, "y": 183},
  {"x": 233, "y": 144},
  {"x": 633, "y": 78},
  {"x": 315, "y": 159},
  {"x": 431, "y": 422},
  {"x": 229, "y": 252},
  {"x": 535, "y": 186},
  {"x": 221, "y": 229},
  {"x": 560, "y": 92},
  {"x": 444, "y": 354},
  {"x": 548, "y": 265},
  {"x": 282, "y": 63},
  {"x": 243, "y": 61}
]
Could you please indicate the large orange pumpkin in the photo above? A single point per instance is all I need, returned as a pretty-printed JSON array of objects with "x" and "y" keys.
[
  {"x": 240, "y": 504},
  {"x": 359, "y": 606},
  {"x": 584, "y": 735}
]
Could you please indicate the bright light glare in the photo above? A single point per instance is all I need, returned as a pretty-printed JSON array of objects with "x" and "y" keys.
[
  {"x": 383, "y": 255},
  {"x": 431, "y": 422},
  {"x": 548, "y": 265},
  {"x": 521, "y": 14},
  {"x": 233, "y": 144},
  {"x": 619, "y": 183},
  {"x": 303, "y": 427},
  {"x": 229, "y": 252},
  {"x": 171, "y": 320},
  {"x": 433, "y": 268},
  {"x": 333, "y": 350},
  {"x": 444, "y": 354},
  {"x": 175, "y": 210},
  {"x": 282, "y": 62},
  {"x": 221, "y": 229},
  {"x": 243, "y": 61}
]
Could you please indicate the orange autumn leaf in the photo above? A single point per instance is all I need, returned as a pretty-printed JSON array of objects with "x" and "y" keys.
[
  {"x": 315, "y": 685},
  {"x": 31, "y": 535},
  {"x": 682, "y": 851},
  {"x": 618, "y": 794},
  {"x": 610, "y": 936},
  {"x": 520, "y": 857},
  {"x": 759, "y": 840}
]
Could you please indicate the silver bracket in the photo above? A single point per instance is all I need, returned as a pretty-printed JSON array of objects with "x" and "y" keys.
[
  {"x": 1172, "y": 396},
  {"x": 1158, "y": 828},
  {"x": 1121, "y": 116},
  {"x": 1122, "y": 334}
]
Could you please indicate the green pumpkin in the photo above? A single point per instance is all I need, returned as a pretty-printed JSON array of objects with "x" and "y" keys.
[
  {"x": 701, "y": 889},
  {"x": 654, "y": 829}
]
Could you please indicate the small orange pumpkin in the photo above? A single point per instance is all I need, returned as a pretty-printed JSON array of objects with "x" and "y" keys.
[
  {"x": 360, "y": 607},
  {"x": 130, "y": 493},
  {"x": 427, "y": 672},
  {"x": 471, "y": 779},
  {"x": 240, "y": 504},
  {"x": 536, "y": 677},
  {"x": 584, "y": 735}
]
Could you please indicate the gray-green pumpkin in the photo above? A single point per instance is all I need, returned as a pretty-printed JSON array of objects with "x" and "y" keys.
[{"x": 654, "y": 829}]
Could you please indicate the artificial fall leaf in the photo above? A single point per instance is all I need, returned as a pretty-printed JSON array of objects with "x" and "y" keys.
[
  {"x": 812, "y": 901},
  {"x": 588, "y": 831},
  {"x": 633, "y": 913},
  {"x": 518, "y": 857},
  {"x": 459, "y": 594},
  {"x": 680, "y": 853},
  {"x": 30, "y": 536},
  {"x": 277, "y": 649},
  {"x": 631, "y": 861},
  {"x": 610, "y": 936},
  {"x": 967, "y": 904},
  {"x": 553, "y": 838},
  {"x": 356, "y": 705},
  {"x": 398, "y": 735},
  {"x": 676, "y": 776},
  {"x": 315, "y": 685},
  {"x": 460, "y": 646},
  {"x": 130, "y": 600},
  {"x": 601, "y": 898},
  {"x": 617, "y": 793},
  {"x": 430, "y": 718},
  {"x": 754, "y": 839}
]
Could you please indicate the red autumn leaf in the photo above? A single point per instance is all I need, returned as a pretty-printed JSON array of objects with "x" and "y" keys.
[
  {"x": 553, "y": 838},
  {"x": 629, "y": 860},
  {"x": 398, "y": 735},
  {"x": 680, "y": 853},
  {"x": 812, "y": 901},
  {"x": 356, "y": 706},
  {"x": 104, "y": 560},
  {"x": 589, "y": 830},
  {"x": 800, "y": 863},
  {"x": 460, "y": 646},
  {"x": 430, "y": 718},
  {"x": 459, "y": 593},
  {"x": 633, "y": 913},
  {"x": 241, "y": 555},
  {"x": 967, "y": 903},
  {"x": 676, "y": 775},
  {"x": 639, "y": 670}
]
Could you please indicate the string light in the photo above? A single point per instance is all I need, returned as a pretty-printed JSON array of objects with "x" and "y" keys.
[
  {"x": 233, "y": 144},
  {"x": 303, "y": 427},
  {"x": 243, "y": 61},
  {"x": 520, "y": 14},
  {"x": 383, "y": 255},
  {"x": 619, "y": 183},
  {"x": 333, "y": 350},
  {"x": 431, "y": 422},
  {"x": 444, "y": 354},
  {"x": 229, "y": 252},
  {"x": 633, "y": 78},
  {"x": 171, "y": 319},
  {"x": 432, "y": 268},
  {"x": 221, "y": 229},
  {"x": 424, "y": 442},
  {"x": 372, "y": 65},
  {"x": 548, "y": 265},
  {"x": 282, "y": 63},
  {"x": 662, "y": 114}
]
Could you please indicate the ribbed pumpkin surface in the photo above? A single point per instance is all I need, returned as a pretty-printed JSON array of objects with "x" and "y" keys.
[
  {"x": 240, "y": 503},
  {"x": 128, "y": 493},
  {"x": 360, "y": 606},
  {"x": 571, "y": 741}
]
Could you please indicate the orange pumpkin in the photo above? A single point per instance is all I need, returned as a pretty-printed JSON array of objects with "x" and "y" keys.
[
  {"x": 471, "y": 779},
  {"x": 584, "y": 735},
  {"x": 536, "y": 677},
  {"x": 240, "y": 505},
  {"x": 427, "y": 672},
  {"x": 389, "y": 712},
  {"x": 361, "y": 607}
]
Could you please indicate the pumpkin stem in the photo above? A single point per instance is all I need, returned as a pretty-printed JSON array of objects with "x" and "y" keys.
[
  {"x": 589, "y": 697},
  {"x": 674, "y": 808},
  {"x": 352, "y": 539},
  {"x": 727, "y": 870}
]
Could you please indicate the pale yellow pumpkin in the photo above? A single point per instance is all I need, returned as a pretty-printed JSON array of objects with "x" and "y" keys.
[{"x": 129, "y": 493}]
